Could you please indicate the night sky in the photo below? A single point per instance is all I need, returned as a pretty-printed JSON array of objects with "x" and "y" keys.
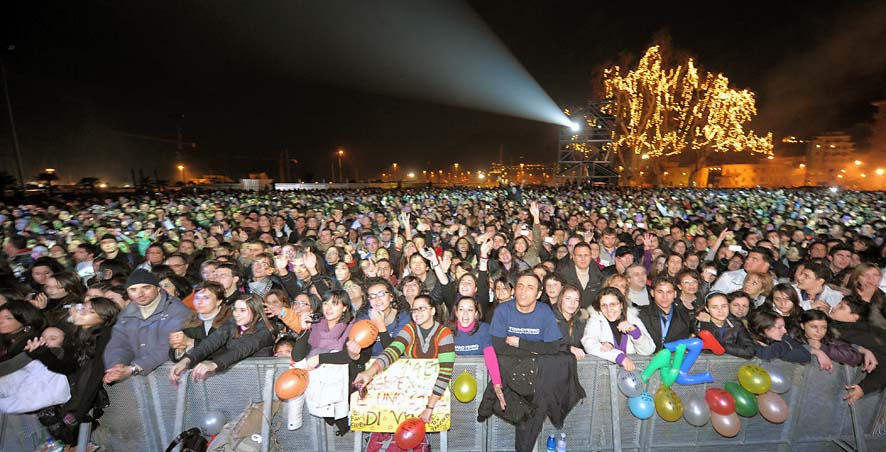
[{"x": 85, "y": 77}]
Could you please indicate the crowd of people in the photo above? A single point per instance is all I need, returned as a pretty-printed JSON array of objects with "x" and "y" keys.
[{"x": 533, "y": 279}]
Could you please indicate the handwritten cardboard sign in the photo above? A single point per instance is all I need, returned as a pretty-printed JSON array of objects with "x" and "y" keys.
[{"x": 400, "y": 392}]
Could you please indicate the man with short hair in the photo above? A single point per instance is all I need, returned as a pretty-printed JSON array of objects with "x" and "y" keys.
[
  {"x": 19, "y": 256},
  {"x": 812, "y": 287},
  {"x": 139, "y": 340},
  {"x": 527, "y": 340},
  {"x": 583, "y": 273},
  {"x": 608, "y": 247},
  {"x": 111, "y": 251},
  {"x": 758, "y": 261},
  {"x": 84, "y": 255},
  {"x": 663, "y": 321},
  {"x": 228, "y": 275},
  {"x": 840, "y": 258},
  {"x": 638, "y": 291}
]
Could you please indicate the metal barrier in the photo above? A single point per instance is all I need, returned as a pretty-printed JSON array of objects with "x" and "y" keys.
[{"x": 147, "y": 412}]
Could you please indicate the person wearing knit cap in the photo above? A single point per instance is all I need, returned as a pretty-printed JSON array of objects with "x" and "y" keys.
[{"x": 139, "y": 339}]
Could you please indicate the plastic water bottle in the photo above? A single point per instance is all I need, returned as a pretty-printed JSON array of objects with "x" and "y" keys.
[
  {"x": 552, "y": 444},
  {"x": 561, "y": 443}
]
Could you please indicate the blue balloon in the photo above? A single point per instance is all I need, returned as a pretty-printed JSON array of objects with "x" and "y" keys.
[
  {"x": 642, "y": 406},
  {"x": 685, "y": 378},
  {"x": 693, "y": 346}
]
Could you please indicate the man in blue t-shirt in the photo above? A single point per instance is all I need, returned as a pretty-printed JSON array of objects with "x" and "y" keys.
[{"x": 524, "y": 324}]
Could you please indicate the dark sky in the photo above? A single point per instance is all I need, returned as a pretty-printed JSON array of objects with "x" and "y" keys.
[{"x": 247, "y": 77}]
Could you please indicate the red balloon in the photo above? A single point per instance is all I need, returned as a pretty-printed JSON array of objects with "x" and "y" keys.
[
  {"x": 720, "y": 401},
  {"x": 410, "y": 433},
  {"x": 364, "y": 332},
  {"x": 291, "y": 384},
  {"x": 710, "y": 342}
]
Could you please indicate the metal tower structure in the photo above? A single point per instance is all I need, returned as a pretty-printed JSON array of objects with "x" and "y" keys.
[{"x": 584, "y": 153}]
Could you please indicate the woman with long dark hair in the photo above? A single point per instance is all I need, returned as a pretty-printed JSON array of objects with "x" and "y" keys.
[
  {"x": 82, "y": 361},
  {"x": 815, "y": 332},
  {"x": 772, "y": 340},
  {"x": 248, "y": 333}
]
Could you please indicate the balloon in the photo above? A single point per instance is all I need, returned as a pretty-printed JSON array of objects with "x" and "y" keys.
[
  {"x": 668, "y": 404},
  {"x": 754, "y": 378},
  {"x": 745, "y": 402},
  {"x": 364, "y": 333},
  {"x": 465, "y": 387},
  {"x": 720, "y": 401},
  {"x": 780, "y": 383},
  {"x": 686, "y": 378},
  {"x": 410, "y": 433},
  {"x": 670, "y": 374},
  {"x": 772, "y": 407},
  {"x": 212, "y": 422},
  {"x": 693, "y": 345},
  {"x": 696, "y": 411},
  {"x": 630, "y": 383},
  {"x": 661, "y": 360},
  {"x": 642, "y": 406},
  {"x": 291, "y": 384},
  {"x": 711, "y": 343},
  {"x": 726, "y": 425}
]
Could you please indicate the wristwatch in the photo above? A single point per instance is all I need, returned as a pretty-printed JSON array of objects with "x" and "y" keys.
[{"x": 135, "y": 370}]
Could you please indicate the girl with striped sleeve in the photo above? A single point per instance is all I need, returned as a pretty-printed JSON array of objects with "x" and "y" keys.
[{"x": 424, "y": 337}]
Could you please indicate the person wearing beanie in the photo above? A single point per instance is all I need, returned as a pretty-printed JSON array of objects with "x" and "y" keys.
[{"x": 139, "y": 339}]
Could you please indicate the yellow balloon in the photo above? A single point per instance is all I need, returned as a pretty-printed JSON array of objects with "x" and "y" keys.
[
  {"x": 668, "y": 404},
  {"x": 465, "y": 387},
  {"x": 754, "y": 378}
]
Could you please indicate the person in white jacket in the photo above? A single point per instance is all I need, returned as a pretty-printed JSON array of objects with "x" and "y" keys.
[{"x": 615, "y": 331}]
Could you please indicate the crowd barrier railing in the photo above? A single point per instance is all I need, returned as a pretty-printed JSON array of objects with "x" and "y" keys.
[{"x": 148, "y": 411}]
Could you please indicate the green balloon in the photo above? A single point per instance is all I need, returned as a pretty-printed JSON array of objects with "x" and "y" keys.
[
  {"x": 745, "y": 401},
  {"x": 661, "y": 361}
]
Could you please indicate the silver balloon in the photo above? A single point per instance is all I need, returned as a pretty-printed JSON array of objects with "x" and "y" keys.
[
  {"x": 696, "y": 410},
  {"x": 630, "y": 384},
  {"x": 780, "y": 383},
  {"x": 212, "y": 422}
]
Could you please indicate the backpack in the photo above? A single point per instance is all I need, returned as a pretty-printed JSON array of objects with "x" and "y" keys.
[
  {"x": 191, "y": 441},
  {"x": 244, "y": 433},
  {"x": 384, "y": 442}
]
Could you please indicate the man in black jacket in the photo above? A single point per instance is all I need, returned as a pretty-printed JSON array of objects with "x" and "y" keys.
[
  {"x": 663, "y": 322},
  {"x": 583, "y": 273}
]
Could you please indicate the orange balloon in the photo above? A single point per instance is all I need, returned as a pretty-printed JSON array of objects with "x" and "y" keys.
[
  {"x": 364, "y": 332},
  {"x": 291, "y": 384}
]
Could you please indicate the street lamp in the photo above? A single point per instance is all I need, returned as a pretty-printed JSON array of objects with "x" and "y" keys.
[
  {"x": 395, "y": 171},
  {"x": 181, "y": 172},
  {"x": 341, "y": 153}
]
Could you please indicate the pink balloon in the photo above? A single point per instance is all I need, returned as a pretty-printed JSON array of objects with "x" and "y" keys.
[
  {"x": 772, "y": 407},
  {"x": 728, "y": 425}
]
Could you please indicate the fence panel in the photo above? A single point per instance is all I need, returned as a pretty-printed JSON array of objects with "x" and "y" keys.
[{"x": 146, "y": 412}]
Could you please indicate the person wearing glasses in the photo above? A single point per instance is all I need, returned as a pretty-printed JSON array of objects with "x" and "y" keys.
[
  {"x": 615, "y": 330},
  {"x": 384, "y": 311},
  {"x": 424, "y": 337}
]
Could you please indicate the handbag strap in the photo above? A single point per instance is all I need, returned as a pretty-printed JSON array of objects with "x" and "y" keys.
[{"x": 189, "y": 433}]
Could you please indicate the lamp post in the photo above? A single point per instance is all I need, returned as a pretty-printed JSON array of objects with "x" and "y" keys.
[
  {"x": 181, "y": 172},
  {"x": 395, "y": 171},
  {"x": 341, "y": 153}
]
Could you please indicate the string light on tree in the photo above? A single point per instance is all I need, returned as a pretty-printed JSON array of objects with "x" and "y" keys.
[{"x": 664, "y": 110}]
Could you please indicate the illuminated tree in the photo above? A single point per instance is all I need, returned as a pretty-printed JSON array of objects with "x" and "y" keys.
[{"x": 663, "y": 110}]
